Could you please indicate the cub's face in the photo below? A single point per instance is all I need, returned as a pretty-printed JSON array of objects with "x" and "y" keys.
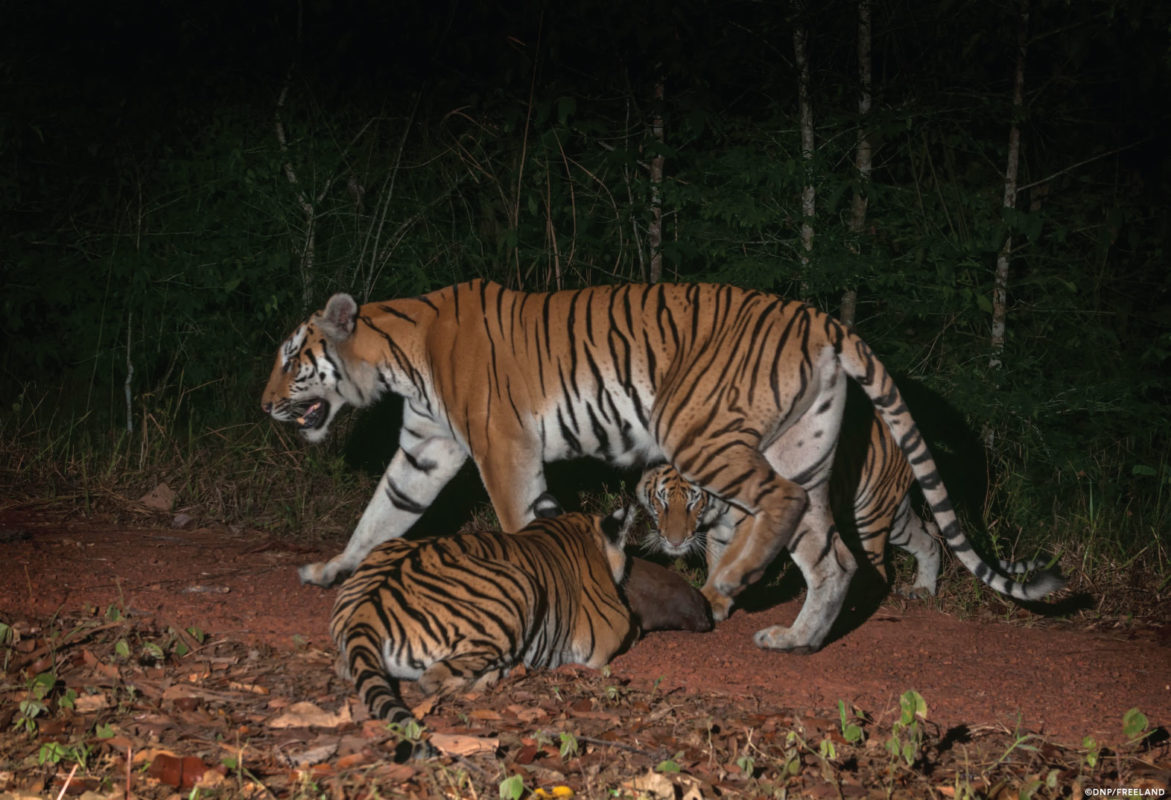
[
  {"x": 678, "y": 508},
  {"x": 309, "y": 382}
]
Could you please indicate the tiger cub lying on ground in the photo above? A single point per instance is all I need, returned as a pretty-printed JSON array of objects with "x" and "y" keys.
[
  {"x": 875, "y": 482},
  {"x": 457, "y": 612}
]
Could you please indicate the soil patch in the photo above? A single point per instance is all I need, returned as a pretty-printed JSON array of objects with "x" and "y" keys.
[{"x": 1001, "y": 678}]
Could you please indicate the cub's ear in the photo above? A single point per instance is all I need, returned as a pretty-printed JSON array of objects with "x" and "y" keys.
[
  {"x": 338, "y": 319},
  {"x": 546, "y": 506},
  {"x": 616, "y": 527}
]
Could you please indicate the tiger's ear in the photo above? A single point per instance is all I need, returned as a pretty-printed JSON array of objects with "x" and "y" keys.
[
  {"x": 616, "y": 527},
  {"x": 546, "y": 506},
  {"x": 338, "y": 319}
]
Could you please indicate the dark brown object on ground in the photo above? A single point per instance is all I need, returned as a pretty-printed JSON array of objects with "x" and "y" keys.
[{"x": 662, "y": 599}]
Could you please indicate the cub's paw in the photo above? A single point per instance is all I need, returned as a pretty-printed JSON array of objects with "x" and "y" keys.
[{"x": 778, "y": 637}]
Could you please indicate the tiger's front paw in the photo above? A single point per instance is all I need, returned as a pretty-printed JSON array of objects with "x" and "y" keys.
[
  {"x": 778, "y": 637},
  {"x": 721, "y": 604},
  {"x": 322, "y": 573}
]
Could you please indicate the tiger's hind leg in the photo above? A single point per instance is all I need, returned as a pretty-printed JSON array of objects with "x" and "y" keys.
[{"x": 827, "y": 566}]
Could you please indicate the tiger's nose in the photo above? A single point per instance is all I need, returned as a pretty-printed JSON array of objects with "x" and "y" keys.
[{"x": 266, "y": 407}]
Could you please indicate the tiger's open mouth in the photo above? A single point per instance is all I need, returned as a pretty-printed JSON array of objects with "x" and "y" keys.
[{"x": 313, "y": 416}]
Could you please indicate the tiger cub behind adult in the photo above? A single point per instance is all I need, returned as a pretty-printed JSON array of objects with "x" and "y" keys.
[{"x": 454, "y": 612}]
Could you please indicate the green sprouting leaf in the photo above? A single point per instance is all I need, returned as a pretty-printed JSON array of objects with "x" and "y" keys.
[
  {"x": 850, "y": 732},
  {"x": 1092, "y": 750},
  {"x": 122, "y": 648},
  {"x": 104, "y": 730},
  {"x": 792, "y": 764},
  {"x": 52, "y": 753},
  {"x": 909, "y": 752},
  {"x": 1134, "y": 724},
  {"x": 913, "y": 705},
  {"x": 152, "y": 650},
  {"x": 667, "y": 765},
  {"x": 512, "y": 788},
  {"x": 1147, "y": 472},
  {"x": 42, "y": 684},
  {"x": 67, "y": 699},
  {"x": 827, "y": 749},
  {"x": 569, "y": 747}
]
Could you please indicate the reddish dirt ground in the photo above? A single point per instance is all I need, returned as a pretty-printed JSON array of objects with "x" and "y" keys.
[{"x": 1029, "y": 673}]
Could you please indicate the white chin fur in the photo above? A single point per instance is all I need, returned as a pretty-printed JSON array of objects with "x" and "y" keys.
[{"x": 315, "y": 435}]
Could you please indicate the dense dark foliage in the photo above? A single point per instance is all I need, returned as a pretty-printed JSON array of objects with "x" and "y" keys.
[{"x": 182, "y": 182}]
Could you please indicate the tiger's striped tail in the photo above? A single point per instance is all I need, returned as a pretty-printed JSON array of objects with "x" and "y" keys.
[{"x": 860, "y": 363}]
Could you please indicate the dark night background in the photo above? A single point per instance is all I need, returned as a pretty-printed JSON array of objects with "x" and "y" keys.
[{"x": 153, "y": 217}]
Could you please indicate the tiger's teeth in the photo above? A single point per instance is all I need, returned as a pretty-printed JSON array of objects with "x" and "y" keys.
[{"x": 313, "y": 408}]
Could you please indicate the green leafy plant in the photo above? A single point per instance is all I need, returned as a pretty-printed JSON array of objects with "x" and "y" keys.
[
  {"x": 851, "y": 732},
  {"x": 669, "y": 765},
  {"x": 512, "y": 788},
  {"x": 569, "y": 745},
  {"x": 1135, "y": 726},
  {"x": 56, "y": 752},
  {"x": 1093, "y": 751},
  {"x": 906, "y": 736},
  {"x": 34, "y": 704}
]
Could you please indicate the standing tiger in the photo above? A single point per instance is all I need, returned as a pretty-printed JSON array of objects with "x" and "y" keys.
[
  {"x": 739, "y": 390},
  {"x": 688, "y": 519},
  {"x": 453, "y": 612}
]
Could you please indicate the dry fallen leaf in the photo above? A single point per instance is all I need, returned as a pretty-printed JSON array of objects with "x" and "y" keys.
[
  {"x": 314, "y": 755},
  {"x": 89, "y": 703},
  {"x": 182, "y": 773},
  {"x": 305, "y": 715},
  {"x": 658, "y": 785},
  {"x": 457, "y": 745},
  {"x": 655, "y": 784}
]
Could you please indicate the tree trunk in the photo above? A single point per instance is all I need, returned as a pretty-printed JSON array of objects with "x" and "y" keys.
[
  {"x": 304, "y": 200},
  {"x": 655, "y": 230},
  {"x": 862, "y": 156},
  {"x": 1000, "y": 283},
  {"x": 805, "y": 106}
]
